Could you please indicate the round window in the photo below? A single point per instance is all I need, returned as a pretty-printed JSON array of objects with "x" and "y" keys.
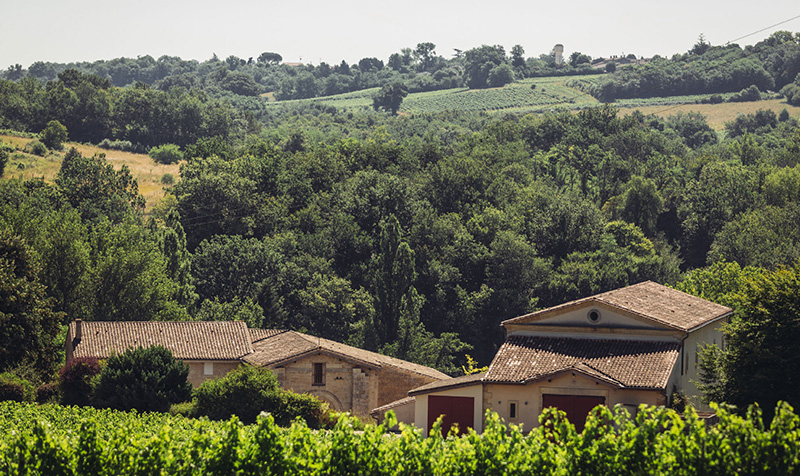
[{"x": 593, "y": 316}]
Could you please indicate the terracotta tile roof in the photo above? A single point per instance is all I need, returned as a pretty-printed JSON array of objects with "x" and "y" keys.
[
  {"x": 196, "y": 340},
  {"x": 290, "y": 344},
  {"x": 258, "y": 334},
  {"x": 454, "y": 382},
  {"x": 391, "y": 405},
  {"x": 625, "y": 363},
  {"x": 648, "y": 300}
]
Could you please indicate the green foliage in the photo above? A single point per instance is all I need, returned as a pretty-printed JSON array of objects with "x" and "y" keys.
[
  {"x": 759, "y": 122},
  {"x": 93, "y": 187},
  {"x": 238, "y": 310},
  {"x": 54, "y": 135},
  {"x": 390, "y": 97},
  {"x": 123, "y": 145},
  {"x": 36, "y": 148},
  {"x": 759, "y": 362},
  {"x": 479, "y": 64},
  {"x": 3, "y": 159},
  {"x": 748, "y": 94},
  {"x": 166, "y": 154},
  {"x": 167, "y": 179},
  {"x": 241, "y": 83},
  {"x": 29, "y": 325},
  {"x": 247, "y": 392},
  {"x": 15, "y": 388},
  {"x": 144, "y": 379},
  {"x": 657, "y": 441},
  {"x": 472, "y": 366}
]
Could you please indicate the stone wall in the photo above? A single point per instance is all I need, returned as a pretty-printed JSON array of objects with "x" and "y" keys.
[
  {"x": 396, "y": 383},
  {"x": 347, "y": 386}
]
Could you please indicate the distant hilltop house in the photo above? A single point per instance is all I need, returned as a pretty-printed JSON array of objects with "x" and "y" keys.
[
  {"x": 630, "y": 346},
  {"x": 348, "y": 378},
  {"x": 558, "y": 54}
]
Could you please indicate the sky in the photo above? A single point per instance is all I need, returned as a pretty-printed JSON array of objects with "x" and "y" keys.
[{"x": 313, "y": 31}]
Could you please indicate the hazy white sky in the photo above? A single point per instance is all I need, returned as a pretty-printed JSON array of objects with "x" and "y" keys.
[{"x": 330, "y": 31}]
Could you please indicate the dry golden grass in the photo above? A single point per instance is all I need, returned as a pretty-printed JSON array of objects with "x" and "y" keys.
[
  {"x": 147, "y": 173},
  {"x": 718, "y": 114}
]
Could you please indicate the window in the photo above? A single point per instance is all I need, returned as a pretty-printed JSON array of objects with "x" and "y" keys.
[
  {"x": 593, "y": 316},
  {"x": 512, "y": 410},
  {"x": 319, "y": 374},
  {"x": 208, "y": 368}
]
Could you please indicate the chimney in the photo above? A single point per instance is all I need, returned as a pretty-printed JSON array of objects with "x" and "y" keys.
[{"x": 78, "y": 333}]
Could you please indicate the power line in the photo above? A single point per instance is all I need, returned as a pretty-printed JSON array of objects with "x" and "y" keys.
[
  {"x": 763, "y": 29},
  {"x": 640, "y": 93}
]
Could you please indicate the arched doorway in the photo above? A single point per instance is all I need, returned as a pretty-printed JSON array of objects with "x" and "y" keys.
[{"x": 328, "y": 398}]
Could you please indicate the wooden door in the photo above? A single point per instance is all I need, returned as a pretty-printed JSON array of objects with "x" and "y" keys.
[
  {"x": 577, "y": 407},
  {"x": 460, "y": 410}
]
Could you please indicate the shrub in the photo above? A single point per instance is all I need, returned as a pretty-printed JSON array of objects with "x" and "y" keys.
[
  {"x": 36, "y": 148},
  {"x": 54, "y": 135},
  {"x": 15, "y": 388},
  {"x": 3, "y": 161},
  {"x": 245, "y": 392},
  {"x": 166, "y": 154},
  {"x": 168, "y": 179},
  {"x": 144, "y": 379},
  {"x": 47, "y": 393},
  {"x": 749, "y": 94},
  {"x": 292, "y": 405},
  {"x": 186, "y": 409},
  {"x": 75, "y": 380},
  {"x": 11, "y": 391},
  {"x": 123, "y": 145}
]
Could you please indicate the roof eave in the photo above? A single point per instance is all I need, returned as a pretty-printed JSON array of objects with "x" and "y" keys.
[{"x": 711, "y": 321}]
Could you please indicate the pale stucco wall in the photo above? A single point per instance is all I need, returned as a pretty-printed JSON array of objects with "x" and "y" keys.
[
  {"x": 475, "y": 391},
  {"x": 497, "y": 397},
  {"x": 219, "y": 368},
  {"x": 687, "y": 371}
]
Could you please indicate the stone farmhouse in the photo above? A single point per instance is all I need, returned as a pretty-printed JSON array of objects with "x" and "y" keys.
[
  {"x": 348, "y": 378},
  {"x": 630, "y": 346},
  {"x": 210, "y": 349}
]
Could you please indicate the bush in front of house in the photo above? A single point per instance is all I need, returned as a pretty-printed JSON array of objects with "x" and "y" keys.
[
  {"x": 291, "y": 405},
  {"x": 247, "y": 391},
  {"x": 48, "y": 393},
  {"x": 143, "y": 379},
  {"x": 75, "y": 380}
]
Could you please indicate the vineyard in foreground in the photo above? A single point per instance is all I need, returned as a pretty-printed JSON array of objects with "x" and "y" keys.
[{"x": 56, "y": 440}]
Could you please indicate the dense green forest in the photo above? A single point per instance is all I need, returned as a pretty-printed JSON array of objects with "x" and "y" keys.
[{"x": 413, "y": 235}]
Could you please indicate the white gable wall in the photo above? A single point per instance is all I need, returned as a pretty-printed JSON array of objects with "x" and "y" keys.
[
  {"x": 609, "y": 317},
  {"x": 687, "y": 373}
]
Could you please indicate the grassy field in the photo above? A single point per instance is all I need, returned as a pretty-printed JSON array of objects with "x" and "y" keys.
[
  {"x": 718, "y": 114},
  {"x": 147, "y": 172}
]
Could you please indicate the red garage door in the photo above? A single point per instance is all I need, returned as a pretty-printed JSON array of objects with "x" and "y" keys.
[
  {"x": 455, "y": 410},
  {"x": 577, "y": 407}
]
